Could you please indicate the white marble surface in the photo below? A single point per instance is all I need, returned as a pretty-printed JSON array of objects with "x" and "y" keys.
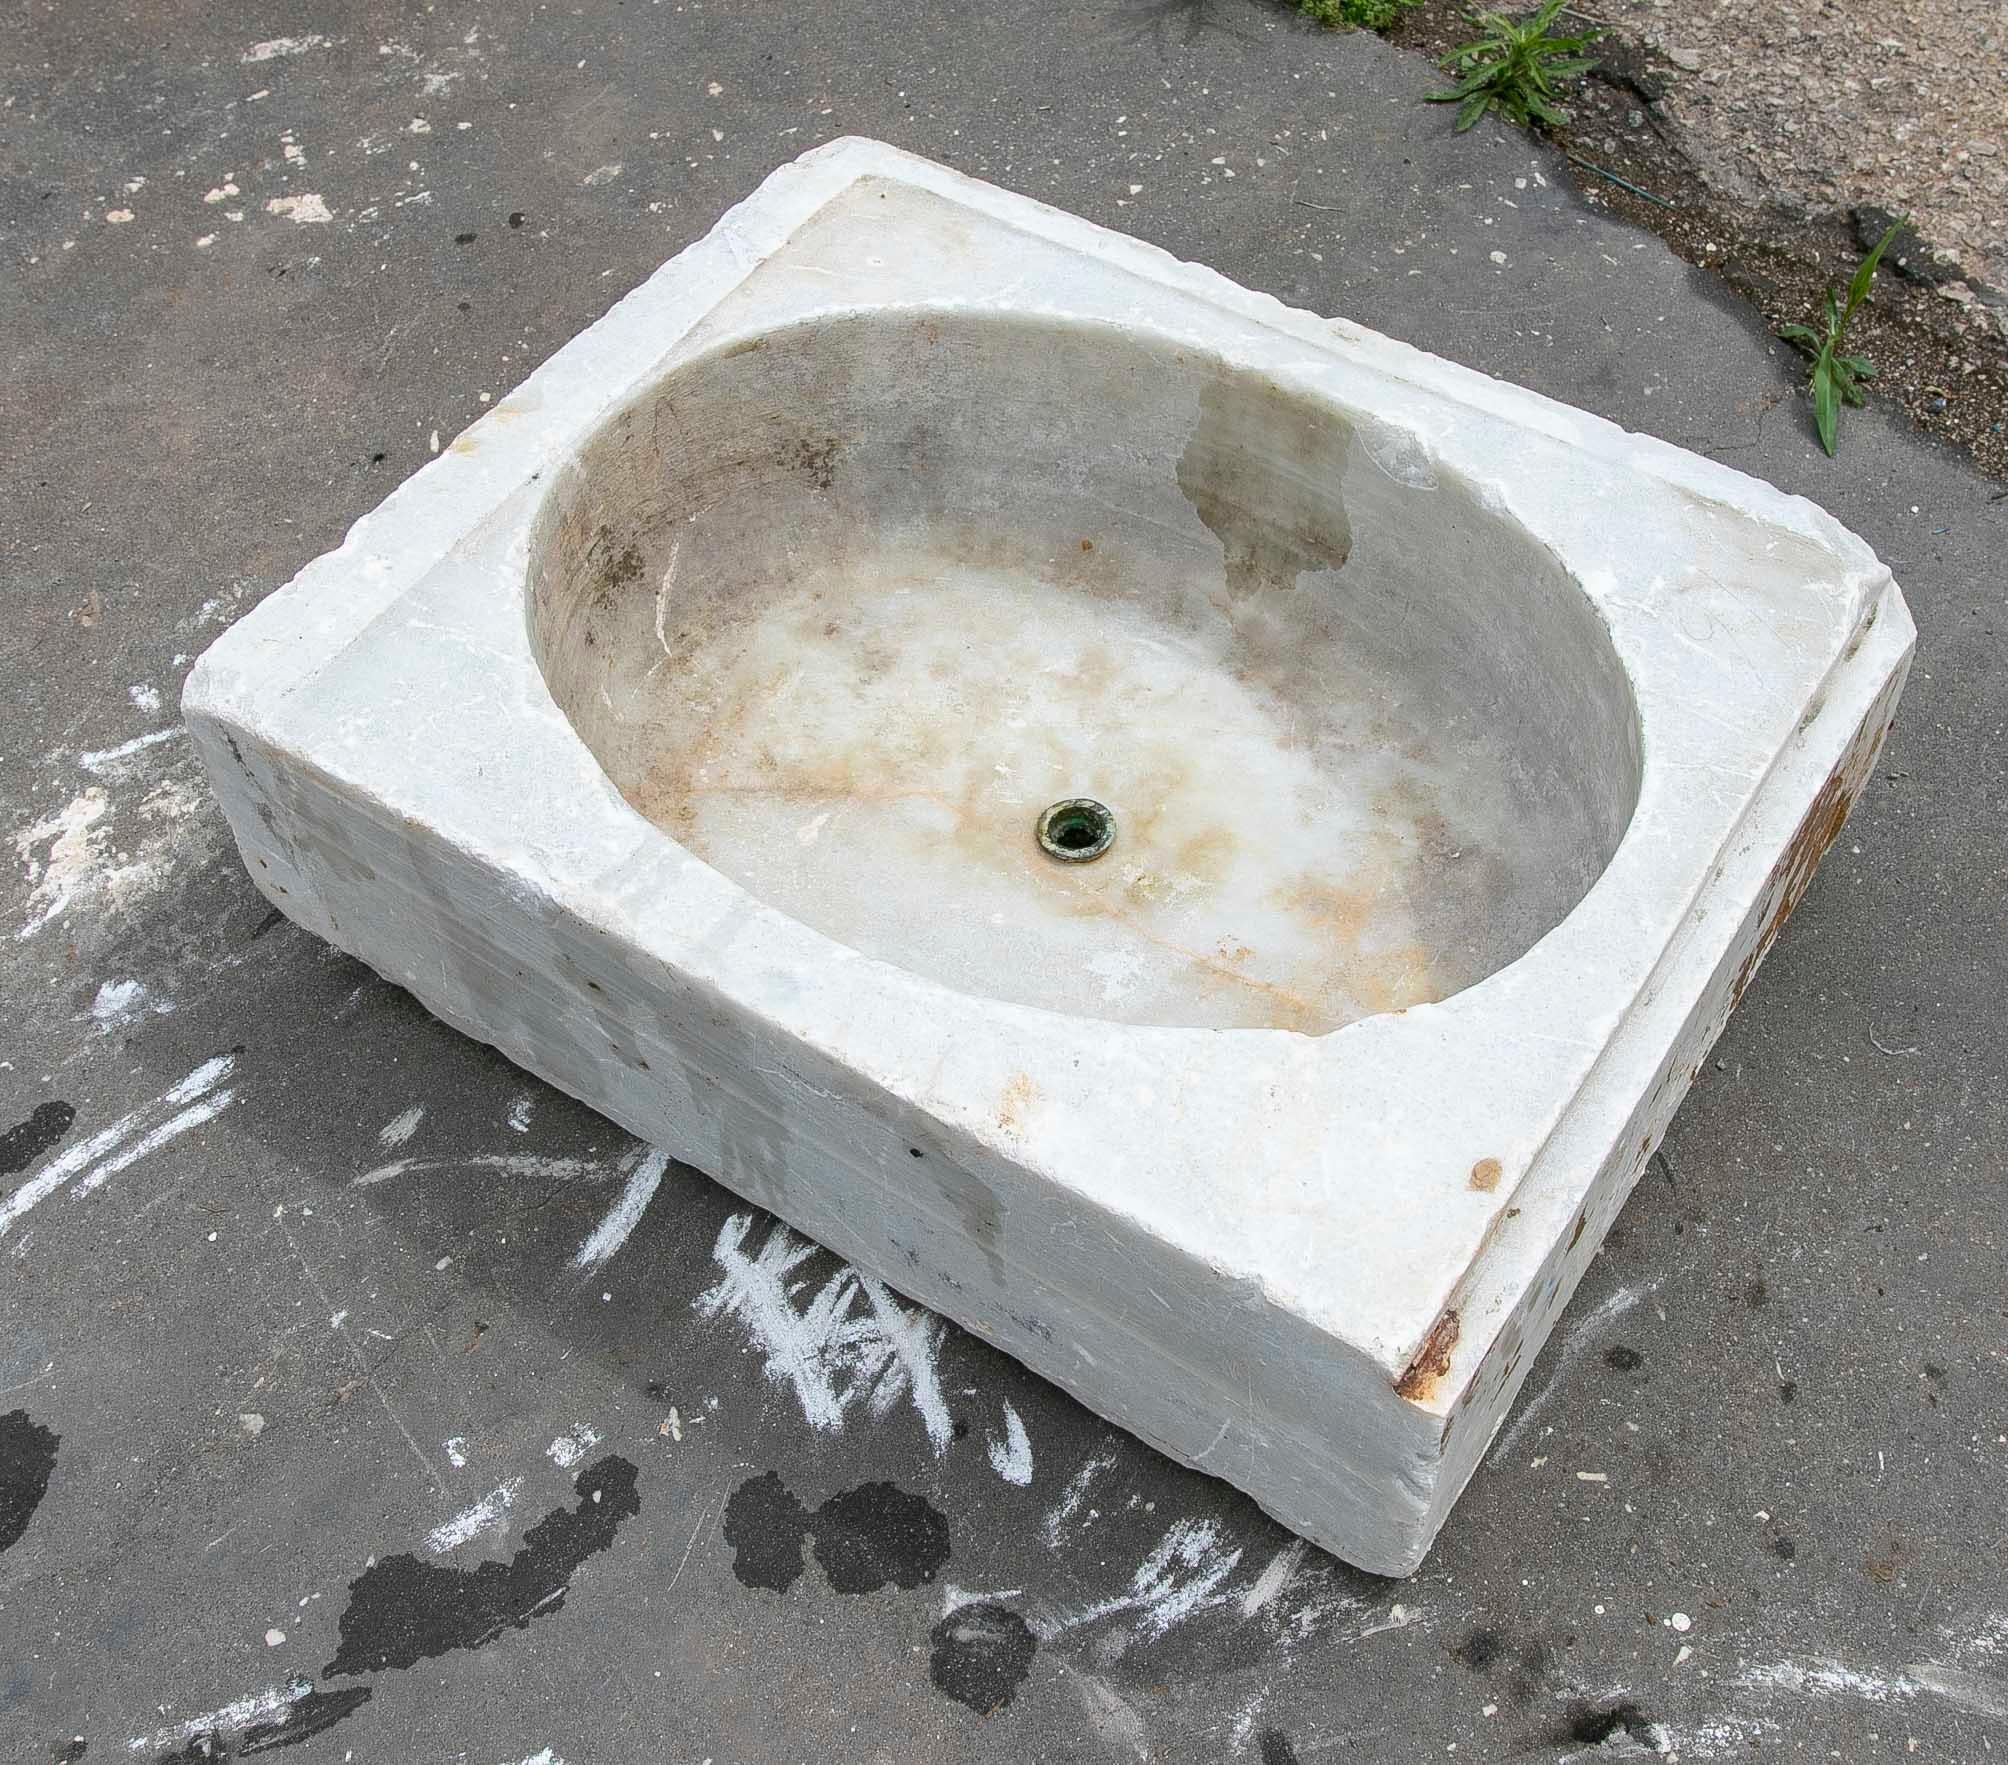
[{"x": 1315, "y": 1264}]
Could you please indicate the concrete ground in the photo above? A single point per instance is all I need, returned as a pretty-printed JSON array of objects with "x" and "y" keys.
[{"x": 313, "y": 1430}]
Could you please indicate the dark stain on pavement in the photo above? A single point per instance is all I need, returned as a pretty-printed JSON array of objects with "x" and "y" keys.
[
  {"x": 1481, "y": 1650},
  {"x": 27, "y": 1140},
  {"x": 27, "y": 1458},
  {"x": 1276, "y": 1748},
  {"x": 404, "y": 1611},
  {"x": 981, "y": 1655},
  {"x": 876, "y": 1535},
  {"x": 765, "y": 1526},
  {"x": 1592, "y": 1725}
]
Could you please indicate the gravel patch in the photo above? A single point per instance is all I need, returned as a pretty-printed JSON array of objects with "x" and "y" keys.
[
  {"x": 1935, "y": 328},
  {"x": 1818, "y": 104}
]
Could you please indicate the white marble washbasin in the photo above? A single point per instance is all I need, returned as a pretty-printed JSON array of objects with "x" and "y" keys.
[
  {"x": 841, "y": 607},
  {"x": 683, "y": 730}
]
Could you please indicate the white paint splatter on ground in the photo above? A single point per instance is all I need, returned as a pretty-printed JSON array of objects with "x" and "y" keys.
[
  {"x": 1396, "y": 1617},
  {"x": 456, "y": 1452},
  {"x": 604, "y": 174},
  {"x": 489, "y": 1514},
  {"x": 1185, "y": 1575},
  {"x": 546, "y": 1757},
  {"x": 1820, "y": 1677},
  {"x": 568, "y": 1449},
  {"x": 202, "y": 1107},
  {"x": 954, "y": 1598},
  {"x": 846, "y": 1343},
  {"x": 1970, "y": 1691},
  {"x": 1074, "y": 1497},
  {"x": 400, "y": 1128},
  {"x": 189, "y": 1104},
  {"x": 1717, "y": 1737},
  {"x": 260, "y": 1706},
  {"x": 117, "y": 762},
  {"x": 509, "y": 1164},
  {"x": 274, "y": 47},
  {"x": 1990, "y": 1636},
  {"x": 146, "y": 697},
  {"x": 305, "y": 209},
  {"x": 1113, "y": 1717},
  {"x": 521, "y": 1108},
  {"x": 644, "y": 1167},
  {"x": 74, "y": 864},
  {"x": 1244, "y": 1722},
  {"x": 1011, "y": 1457},
  {"x": 1191, "y": 1572},
  {"x": 1580, "y": 1340},
  {"x": 1177, "y": 1581},
  {"x": 1274, "y": 1578},
  {"x": 117, "y": 1003},
  {"x": 81, "y": 865}
]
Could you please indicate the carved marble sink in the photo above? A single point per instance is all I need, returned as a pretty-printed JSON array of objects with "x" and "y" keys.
[
  {"x": 842, "y": 605},
  {"x": 1423, "y": 768}
]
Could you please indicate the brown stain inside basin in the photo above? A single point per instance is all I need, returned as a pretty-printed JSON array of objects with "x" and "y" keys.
[{"x": 844, "y": 612}]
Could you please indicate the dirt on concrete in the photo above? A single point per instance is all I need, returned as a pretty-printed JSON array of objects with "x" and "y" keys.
[
  {"x": 1823, "y": 104},
  {"x": 1772, "y": 144}
]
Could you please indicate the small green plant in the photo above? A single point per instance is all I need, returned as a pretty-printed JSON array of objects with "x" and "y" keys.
[
  {"x": 1835, "y": 379},
  {"x": 1514, "y": 67},
  {"x": 1359, "y": 15}
]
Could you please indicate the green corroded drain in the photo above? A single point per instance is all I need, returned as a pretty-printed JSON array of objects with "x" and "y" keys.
[{"x": 1077, "y": 830}]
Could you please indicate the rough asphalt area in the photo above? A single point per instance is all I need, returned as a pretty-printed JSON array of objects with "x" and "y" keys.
[{"x": 335, "y": 1412}]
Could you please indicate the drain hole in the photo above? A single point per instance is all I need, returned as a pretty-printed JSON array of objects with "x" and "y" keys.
[{"x": 1077, "y": 830}]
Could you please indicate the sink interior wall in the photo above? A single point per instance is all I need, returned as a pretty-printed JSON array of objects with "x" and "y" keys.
[{"x": 843, "y": 607}]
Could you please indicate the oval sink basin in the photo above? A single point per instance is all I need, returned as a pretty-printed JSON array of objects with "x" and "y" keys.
[{"x": 845, "y": 607}]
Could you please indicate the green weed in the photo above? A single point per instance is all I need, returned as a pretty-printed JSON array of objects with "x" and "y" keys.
[
  {"x": 1514, "y": 68},
  {"x": 1835, "y": 378},
  {"x": 1361, "y": 15}
]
